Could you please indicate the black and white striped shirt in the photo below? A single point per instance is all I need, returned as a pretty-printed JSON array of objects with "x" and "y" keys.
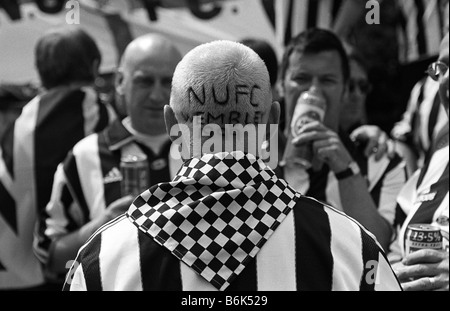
[
  {"x": 385, "y": 178},
  {"x": 186, "y": 235},
  {"x": 423, "y": 119},
  {"x": 422, "y": 29},
  {"x": 89, "y": 180},
  {"x": 294, "y": 16},
  {"x": 31, "y": 149},
  {"x": 424, "y": 199}
]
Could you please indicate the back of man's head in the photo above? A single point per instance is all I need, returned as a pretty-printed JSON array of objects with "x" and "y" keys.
[
  {"x": 66, "y": 55},
  {"x": 224, "y": 82}
]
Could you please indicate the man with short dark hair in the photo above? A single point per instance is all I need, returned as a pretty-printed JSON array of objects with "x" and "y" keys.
[
  {"x": 64, "y": 111},
  {"x": 341, "y": 173},
  {"x": 226, "y": 222},
  {"x": 66, "y": 57}
]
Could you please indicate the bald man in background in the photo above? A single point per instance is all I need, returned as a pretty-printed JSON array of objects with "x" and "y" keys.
[
  {"x": 87, "y": 188},
  {"x": 226, "y": 222}
]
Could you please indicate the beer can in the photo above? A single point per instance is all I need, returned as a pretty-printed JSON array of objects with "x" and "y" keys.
[
  {"x": 422, "y": 236},
  {"x": 135, "y": 175},
  {"x": 310, "y": 107}
]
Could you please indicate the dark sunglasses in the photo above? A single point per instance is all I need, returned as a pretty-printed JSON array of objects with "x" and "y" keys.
[
  {"x": 437, "y": 70},
  {"x": 363, "y": 86}
]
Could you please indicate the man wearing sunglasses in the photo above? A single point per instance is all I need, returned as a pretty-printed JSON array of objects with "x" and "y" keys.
[{"x": 425, "y": 199}]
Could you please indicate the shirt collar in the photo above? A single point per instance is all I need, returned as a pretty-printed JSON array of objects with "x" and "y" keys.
[{"x": 117, "y": 136}]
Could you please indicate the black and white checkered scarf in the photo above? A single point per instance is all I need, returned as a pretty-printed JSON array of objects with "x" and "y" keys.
[{"x": 216, "y": 214}]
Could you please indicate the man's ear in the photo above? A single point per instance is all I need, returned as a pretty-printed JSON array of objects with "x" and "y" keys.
[
  {"x": 119, "y": 97},
  {"x": 280, "y": 88},
  {"x": 118, "y": 82},
  {"x": 170, "y": 120}
]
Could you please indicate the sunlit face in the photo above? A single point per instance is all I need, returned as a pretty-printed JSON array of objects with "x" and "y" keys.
[
  {"x": 443, "y": 80},
  {"x": 353, "y": 109},
  {"x": 322, "y": 71},
  {"x": 146, "y": 90}
]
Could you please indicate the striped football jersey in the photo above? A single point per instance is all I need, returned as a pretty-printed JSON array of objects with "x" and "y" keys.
[
  {"x": 31, "y": 149},
  {"x": 229, "y": 223},
  {"x": 89, "y": 180}
]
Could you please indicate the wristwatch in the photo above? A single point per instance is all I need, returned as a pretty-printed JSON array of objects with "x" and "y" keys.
[{"x": 351, "y": 170}]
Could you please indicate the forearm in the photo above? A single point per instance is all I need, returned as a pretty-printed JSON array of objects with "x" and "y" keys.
[
  {"x": 408, "y": 154},
  {"x": 65, "y": 248},
  {"x": 358, "y": 203}
]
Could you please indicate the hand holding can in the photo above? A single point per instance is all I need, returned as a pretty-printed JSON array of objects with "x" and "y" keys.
[
  {"x": 422, "y": 236},
  {"x": 310, "y": 107}
]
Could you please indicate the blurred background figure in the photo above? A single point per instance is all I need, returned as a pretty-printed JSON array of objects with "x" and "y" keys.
[
  {"x": 65, "y": 110},
  {"x": 422, "y": 27},
  {"x": 342, "y": 173},
  {"x": 421, "y": 123},
  {"x": 354, "y": 121},
  {"x": 87, "y": 186},
  {"x": 353, "y": 110},
  {"x": 12, "y": 99},
  {"x": 398, "y": 49},
  {"x": 425, "y": 200},
  {"x": 267, "y": 53}
]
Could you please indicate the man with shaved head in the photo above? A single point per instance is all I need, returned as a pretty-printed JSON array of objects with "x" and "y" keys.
[
  {"x": 226, "y": 222},
  {"x": 87, "y": 188},
  {"x": 222, "y": 91},
  {"x": 144, "y": 80}
]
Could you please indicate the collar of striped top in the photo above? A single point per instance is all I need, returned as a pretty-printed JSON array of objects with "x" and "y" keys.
[
  {"x": 216, "y": 214},
  {"x": 117, "y": 135}
]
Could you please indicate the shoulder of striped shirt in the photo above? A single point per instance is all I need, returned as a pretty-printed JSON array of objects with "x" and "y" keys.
[
  {"x": 110, "y": 225},
  {"x": 104, "y": 227},
  {"x": 348, "y": 218},
  {"x": 85, "y": 144}
]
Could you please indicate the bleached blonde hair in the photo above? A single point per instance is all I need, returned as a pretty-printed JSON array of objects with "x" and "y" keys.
[{"x": 223, "y": 80}]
